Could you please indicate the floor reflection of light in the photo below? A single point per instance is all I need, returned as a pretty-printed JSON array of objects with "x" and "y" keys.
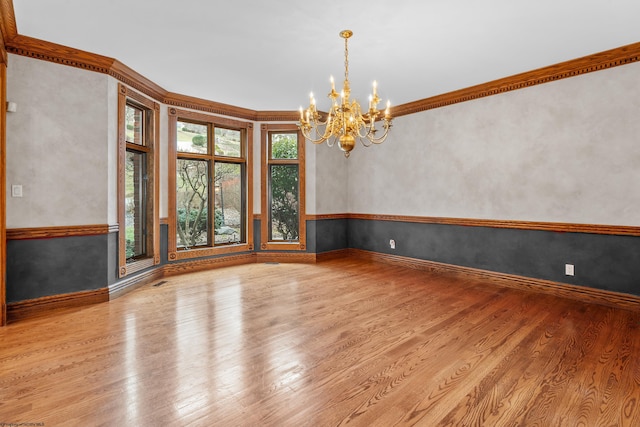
[
  {"x": 285, "y": 360},
  {"x": 190, "y": 352},
  {"x": 130, "y": 363},
  {"x": 209, "y": 335},
  {"x": 228, "y": 338}
]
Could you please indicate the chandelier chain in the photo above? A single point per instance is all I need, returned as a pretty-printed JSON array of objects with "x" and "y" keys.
[{"x": 346, "y": 58}]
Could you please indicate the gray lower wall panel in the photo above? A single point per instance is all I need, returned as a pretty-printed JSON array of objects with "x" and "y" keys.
[
  {"x": 43, "y": 267},
  {"x": 331, "y": 234},
  {"x": 164, "y": 244},
  {"x": 601, "y": 261}
]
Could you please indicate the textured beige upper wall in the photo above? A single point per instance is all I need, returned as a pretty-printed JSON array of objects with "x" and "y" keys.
[
  {"x": 112, "y": 151},
  {"x": 567, "y": 151},
  {"x": 57, "y": 145},
  {"x": 331, "y": 177}
]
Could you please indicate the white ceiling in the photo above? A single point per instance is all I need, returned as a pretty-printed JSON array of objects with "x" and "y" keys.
[{"x": 268, "y": 55}]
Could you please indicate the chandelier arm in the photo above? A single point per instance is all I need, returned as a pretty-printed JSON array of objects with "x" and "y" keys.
[
  {"x": 306, "y": 132},
  {"x": 310, "y": 139},
  {"x": 315, "y": 125},
  {"x": 366, "y": 134},
  {"x": 364, "y": 143},
  {"x": 368, "y": 126},
  {"x": 383, "y": 137},
  {"x": 332, "y": 126}
]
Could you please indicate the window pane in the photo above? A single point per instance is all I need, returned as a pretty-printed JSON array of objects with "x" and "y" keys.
[
  {"x": 284, "y": 202},
  {"x": 133, "y": 119},
  {"x": 227, "y": 142},
  {"x": 135, "y": 206},
  {"x": 284, "y": 145},
  {"x": 229, "y": 203},
  {"x": 192, "y": 200},
  {"x": 192, "y": 138}
]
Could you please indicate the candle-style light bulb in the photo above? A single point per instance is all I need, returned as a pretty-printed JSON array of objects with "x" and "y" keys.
[
  {"x": 301, "y": 116},
  {"x": 375, "y": 88},
  {"x": 333, "y": 84},
  {"x": 387, "y": 114}
]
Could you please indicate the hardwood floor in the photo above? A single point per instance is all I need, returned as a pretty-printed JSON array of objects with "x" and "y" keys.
[{"x": 346, "y": 342}]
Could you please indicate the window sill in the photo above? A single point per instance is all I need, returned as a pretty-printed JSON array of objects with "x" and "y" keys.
[
  {"x": 210, "y": 251},
  {"x": 282, "y": 246},
  {"x": 136, "y": 266}
]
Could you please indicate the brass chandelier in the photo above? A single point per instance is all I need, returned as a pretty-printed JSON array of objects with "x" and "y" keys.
[{"x": 345, "y": 121}]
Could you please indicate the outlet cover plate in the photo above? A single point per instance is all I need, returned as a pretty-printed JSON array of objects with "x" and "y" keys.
[{"x": 569, "y": 270}]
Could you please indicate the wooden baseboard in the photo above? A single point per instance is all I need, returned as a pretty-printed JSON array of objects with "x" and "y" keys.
[
  {"x": 174, "y": 268},
  {"x": 129, "y": 284},
  {"x": 41, "y": 306},
  {"x": 284, "y": 257},
  {"x": 564, "y": 290},
  {"x": 327, "y": 256}
]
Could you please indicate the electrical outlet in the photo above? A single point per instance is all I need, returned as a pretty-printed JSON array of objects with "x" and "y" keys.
[
  {"x": 569, "y": 270},
  {"x": 392, "y": 244}
]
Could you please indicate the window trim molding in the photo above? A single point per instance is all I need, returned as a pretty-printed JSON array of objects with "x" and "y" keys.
[
  {"x": 173, "y": 253},
  {"x": 153, "y": 162},
  {"x": 3, "y": 181},
  {"x": 265, "y": 243}
]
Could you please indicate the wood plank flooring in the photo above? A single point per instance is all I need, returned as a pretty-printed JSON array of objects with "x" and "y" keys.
[{"x": 344, "y": 342}]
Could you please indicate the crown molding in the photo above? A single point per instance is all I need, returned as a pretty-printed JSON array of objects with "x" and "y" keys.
[
  {"x": 587, "y": 64},
  {"x": 184, "y": 101},
  {"x": 8, "y": 19},
  {"x": 277, "y": 116},
  {"x": 137, "y": 81},
  {"x": 12, "y": 42},
  {"x": 52, "y": 52},
  {"x": 8, "y": 28}
]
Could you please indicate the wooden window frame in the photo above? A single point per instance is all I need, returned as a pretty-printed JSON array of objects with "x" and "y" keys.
[
  {"x": 265, "y": 131},
  {"x": 246, "y": 129},
  {"x": 3, "y": 179},
  {"x": 151, "y": 136}
]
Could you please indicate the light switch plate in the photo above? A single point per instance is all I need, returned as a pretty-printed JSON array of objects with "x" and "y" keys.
[{"x": 16, "y": 190}]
